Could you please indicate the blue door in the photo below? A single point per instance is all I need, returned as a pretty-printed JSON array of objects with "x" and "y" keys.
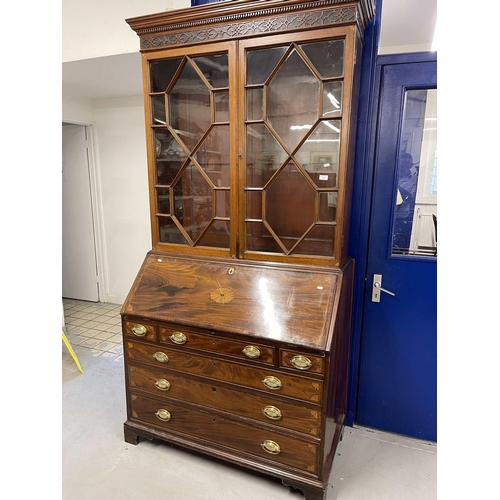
[{"x": 397, "y": 372}]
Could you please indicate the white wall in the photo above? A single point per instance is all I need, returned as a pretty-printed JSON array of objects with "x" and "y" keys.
[
  {"x": 96, "y": 28},
  {"x": 122, "y": 166}
]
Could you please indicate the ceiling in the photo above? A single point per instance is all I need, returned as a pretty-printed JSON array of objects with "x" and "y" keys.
[{"x": 407, "y": 26}]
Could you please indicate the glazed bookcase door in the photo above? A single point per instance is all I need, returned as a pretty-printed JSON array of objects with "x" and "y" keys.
[
  {"x": 294, "y": 128},
  {"x": 192, "y": 152}
]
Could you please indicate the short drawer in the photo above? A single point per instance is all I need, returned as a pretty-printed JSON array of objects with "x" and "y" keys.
[
  {"x": 302, "y": 362},
  {"x": 271, "y": 381},
  {"x": 165, "y": 383},
  {"x": 140, "y": 329},
  {"x": 203, "y": 340},
  {"x": 190, "y": 421}
]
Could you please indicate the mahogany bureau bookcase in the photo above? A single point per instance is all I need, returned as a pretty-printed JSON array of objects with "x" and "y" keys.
[{"x": 236, "y": 330}]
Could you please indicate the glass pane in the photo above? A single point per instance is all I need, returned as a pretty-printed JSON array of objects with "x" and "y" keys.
[
  {"x": 254, "y": 104},
  {"x": 260, "y": 239},
  {"x": 193, "y": 201},
  {"x": 214, "y": 69},
  {"x": 327, "y": 57},
  {"x": 169, "y": 232},
  {"x": 319, "y": 154},
  {"x": 221, "y": 100},
  {"x": 327, "y": 210},
  {"x": 217, "y": 235},
  {"x": 291, "y": 117},
  {"x": 261, "y": 62},
  {"x": 289, "y": 205},
  {"x": 264, "y": 155},
  {"x": 213, "y": 155},
  {"x": 254, "y": 205},
  {"x": 159, "y": 115},
  {"x": 190, "y": 114},
  {"x": 332, "y": 98},
  {"x": 169, "y": 156},
  {"x": 415, "y": 218},
  {"x": 161, "y": 73},
  {"x": 163, "y": 197},
  {"x": 222, "y": 203},
  {"x": 319, "y": 241}
]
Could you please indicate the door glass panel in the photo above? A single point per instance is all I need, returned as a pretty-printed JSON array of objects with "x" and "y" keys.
[
  {"x": 332, "y": 99},
  {"x": 221, "y": 103},
  {"x": 264, "y": 155},
  {"x": 319, "y": 241},
  {"x": 415, "y": 216},
  {"x": 193, "y": 201},
  {"x": 214, "y": 69},
  {"x": 289, "y": 205},
  {"x": 213, "y": 155},
  {"x": 169, "y": 156},
  {"x": 161, "y": 73},
  {"x": 260, "y": 239},
  {"x": 319, "y": 155},
  {"x": 254, "y": 204},
  {"x": 169, "y": 232},
  {"x": 261, "y": 62},
  {"x": 327, "y": 210},
  {"x": 217, "y": 235},
  {"x": 289, "y": 116},
  {"x": 327, "y": 57},
  {"x": 163, "y": 196},
  {"x": 190, "y": 110},
  {"x": 254, "y": 104},
  {"x": 222, "y": 203},
  {"x": 158, "y": 106}
]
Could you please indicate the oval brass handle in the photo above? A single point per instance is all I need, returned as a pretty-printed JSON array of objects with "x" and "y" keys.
[
  {"x": 139, "y": 330},
  {"x": 272, "y": 412},
  {"x": 178, "y": 338},
  {"x": 252, "y": 352},
  {"x": 271, "y": 447},
  {"x": 163, "y": 415},
  {"x": 301, "y": 362},
  {"x": 162, "y": 384},
  {"x": 272, "y": 383},
  {"x": 161, "y": 357}
]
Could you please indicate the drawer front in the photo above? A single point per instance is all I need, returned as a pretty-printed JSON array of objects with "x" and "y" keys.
[
  {"x": 178, "y": 418},
  {"x": 199, "y": 339},
  {"x": 140, "y": 330},
  {"x": 271, "y": 381},
  {"x": 306, "y": 363},
  {"x": 164, "y": 383}
]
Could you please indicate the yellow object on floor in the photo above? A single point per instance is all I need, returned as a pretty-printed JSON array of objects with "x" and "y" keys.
[{"x": 70, "y": 349}]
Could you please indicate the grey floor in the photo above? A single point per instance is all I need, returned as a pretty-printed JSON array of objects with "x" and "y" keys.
[{"x": 98, "y": 464}]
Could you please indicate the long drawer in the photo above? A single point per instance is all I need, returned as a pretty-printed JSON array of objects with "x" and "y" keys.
[
  {"x": 271, "y": 381},
  {"x": 178, "y": 418},
  {"x": 163, "y": 382}
]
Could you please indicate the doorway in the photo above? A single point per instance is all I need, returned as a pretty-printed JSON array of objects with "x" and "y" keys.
[
  {"x": 80, "y": 276},
  {"x": 396, "y": 389}
]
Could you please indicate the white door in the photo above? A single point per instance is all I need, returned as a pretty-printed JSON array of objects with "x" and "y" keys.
[{"x": 79, "y": 265}]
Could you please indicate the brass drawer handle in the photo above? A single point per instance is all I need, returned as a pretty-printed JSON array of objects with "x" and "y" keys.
[
  {"x": 271, "y": 447},
  {"x": 163, "y": 415},
  {"x": 139, "y": 330},
  {"x": 252, "y": 352},
  {"x": 161, "y": 357},
  {"x": 162, "y": 384},
  {"x": 178, "y": 338},
  {"x": 301, "y": 362},
  {"x": 272, "y": 412},
  {"x": 272, "y": 383}
]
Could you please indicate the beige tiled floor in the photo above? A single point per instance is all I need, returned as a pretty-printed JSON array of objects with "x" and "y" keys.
[{"x": 94, "y": 325}]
